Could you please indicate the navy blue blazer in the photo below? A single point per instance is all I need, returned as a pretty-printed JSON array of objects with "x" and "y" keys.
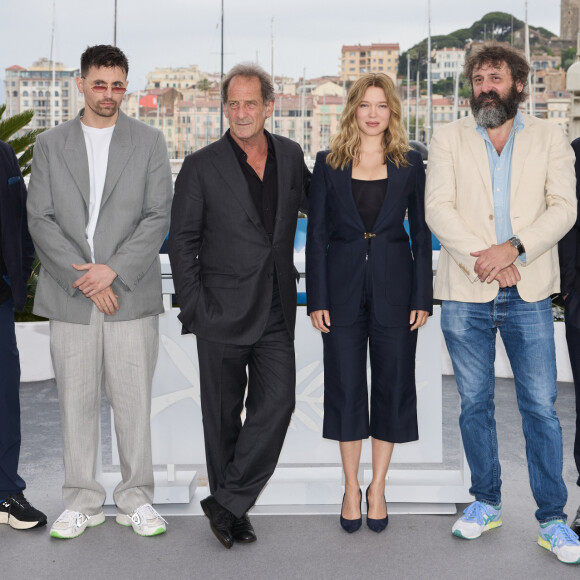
[
  {"x": 569, "y": 246},
  {"x": 337, "y": 251},
  {"x": 17, "y": 248}
]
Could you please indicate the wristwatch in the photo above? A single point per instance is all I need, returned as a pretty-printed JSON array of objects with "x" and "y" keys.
[{"x": 517, "y": 244}]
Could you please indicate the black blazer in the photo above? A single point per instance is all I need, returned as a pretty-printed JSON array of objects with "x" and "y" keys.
[
  {"x": 221, "y": 257},
  {"x": 569, "y": 246},
  {"x": 17, "y": 248},
  {"x": 336, "y": 249}
]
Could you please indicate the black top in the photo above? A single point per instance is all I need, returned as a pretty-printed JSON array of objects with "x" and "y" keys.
[
  {"x": 264, "y": 191},
  {"x": 369, "y": 197}
]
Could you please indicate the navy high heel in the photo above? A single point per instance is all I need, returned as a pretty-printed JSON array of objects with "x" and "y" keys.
[
  {"x": 376, "y": 525},
  {"x": 351, "y": 526}
]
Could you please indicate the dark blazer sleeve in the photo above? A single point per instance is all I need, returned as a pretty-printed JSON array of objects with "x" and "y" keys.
[
  {"x": 185, "y": 239},
  {"x": 17, "y": 247},
  {"x": 317, "y": 235},
  {"x": 568, "y": 245},
  {"x": 306, "y": 179},
  {"x": 422, "y": 293}
]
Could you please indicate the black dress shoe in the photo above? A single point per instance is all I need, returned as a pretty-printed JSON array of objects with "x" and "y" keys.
[
  {"x": 351, "y": 526},
  {"x": 376, "y": 525},
  {"x": 243, "y": 531},
  {"x": 221, "y": 520},
  {"x": 575, "y": 525}
]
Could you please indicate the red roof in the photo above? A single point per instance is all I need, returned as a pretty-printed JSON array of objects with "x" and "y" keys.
[{"x": 15, "y": 67}]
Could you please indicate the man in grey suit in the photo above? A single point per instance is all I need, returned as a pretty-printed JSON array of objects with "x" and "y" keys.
[
  {"x": 231, "y": 243},
  {"x": 98, "y": 210}
]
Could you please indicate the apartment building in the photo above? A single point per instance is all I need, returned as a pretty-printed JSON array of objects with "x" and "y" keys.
[
  {"x": 179, "y": 78},
  {"x": 357, "y": 59},
  {"x": 448, "y": 62},
  {"x": 33, "y": 88}
]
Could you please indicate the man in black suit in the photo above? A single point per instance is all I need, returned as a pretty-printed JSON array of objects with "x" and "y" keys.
[
  {"x": 569, "y": 254},
  {"x": 233, "y": 222},
  {"x": 16, "y": 256}
]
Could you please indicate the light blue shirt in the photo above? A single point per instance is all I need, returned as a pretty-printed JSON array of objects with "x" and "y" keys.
[{"x": 500, "y": 168}]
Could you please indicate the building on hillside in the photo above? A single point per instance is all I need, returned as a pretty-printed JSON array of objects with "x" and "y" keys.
[
  {"x": 357, "y": 59},
  {"x": 156, "y": 107},
  {"x": 179, "y": 78},
  {"x": 549, "y": 80},
  {"x": 325, "y": 121},
  {"x": 32, "y": 88},
  {"x": 442, "y": 113},
  {"x": 293, "y": 119},
  {"x": 544, "y": 61},
  {"x": 448, "y": 61},
  {"x": 553, "y": 106}
]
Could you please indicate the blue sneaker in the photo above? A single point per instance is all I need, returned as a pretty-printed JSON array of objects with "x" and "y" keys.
[
  {"x": 477, "y": 518},
  {"x": 557, "y": 537}
]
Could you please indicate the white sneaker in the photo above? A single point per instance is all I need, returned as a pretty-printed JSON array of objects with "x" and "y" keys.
[
  {"x": 477, "y": 518},
  {"x": 71, "y": 524},
  {"x": 145, "y": 521},
  {"x": 557, "y": 537}
]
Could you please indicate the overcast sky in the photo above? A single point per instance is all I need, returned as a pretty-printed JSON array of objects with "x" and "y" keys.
[{"x": 308, "y": 34}]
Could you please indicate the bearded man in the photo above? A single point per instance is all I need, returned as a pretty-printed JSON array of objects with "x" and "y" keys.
[{"x": 500, "y": 194}]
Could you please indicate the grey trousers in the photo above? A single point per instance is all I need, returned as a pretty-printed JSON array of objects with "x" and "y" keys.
[{"x": 125, "y": 354}]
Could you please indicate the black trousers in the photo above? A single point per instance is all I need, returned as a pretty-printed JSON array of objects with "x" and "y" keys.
[
  {"x": 10, "y": 481},
  {"x": 572, "y": 317},
  {"x": 241, "y": 458}
]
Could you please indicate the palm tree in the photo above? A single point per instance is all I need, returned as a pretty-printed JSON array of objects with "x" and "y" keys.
[
  {"x": 24, "y": 144},
  {"x": 204, "y": 86}
]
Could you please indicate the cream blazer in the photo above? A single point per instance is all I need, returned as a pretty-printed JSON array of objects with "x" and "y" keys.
[{"x": 459, "y": 206}]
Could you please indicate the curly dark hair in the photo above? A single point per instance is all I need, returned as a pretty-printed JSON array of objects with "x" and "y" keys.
[
  {"x": 103, "y": 55},
  {"x": 495, "y": 54}
]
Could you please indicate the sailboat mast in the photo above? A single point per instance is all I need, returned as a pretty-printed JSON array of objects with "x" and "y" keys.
[
  {"x": 429, "y": 96},
  {"x": 53, "y": 89},
  {"x": 527, "y": 49}
]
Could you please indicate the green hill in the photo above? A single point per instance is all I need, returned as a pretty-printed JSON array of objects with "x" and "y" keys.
[{"x": 494, "y": 25}]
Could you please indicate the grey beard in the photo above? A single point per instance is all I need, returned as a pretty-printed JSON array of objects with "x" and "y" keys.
[{"x": 491, "y": 117}]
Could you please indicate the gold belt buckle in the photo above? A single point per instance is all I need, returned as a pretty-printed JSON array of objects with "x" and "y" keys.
[{"x": 368, "y": 236}]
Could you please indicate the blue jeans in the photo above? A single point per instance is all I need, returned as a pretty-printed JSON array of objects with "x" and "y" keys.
[{"x": 527, "y": 331}]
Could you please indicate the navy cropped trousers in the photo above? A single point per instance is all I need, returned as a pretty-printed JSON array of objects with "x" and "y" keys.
[{"x": 393, "y": 400}]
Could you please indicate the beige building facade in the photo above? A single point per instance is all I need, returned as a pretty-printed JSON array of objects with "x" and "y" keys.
[
  {"x": 357, "y": 60},
  {"x": 53, "y": 102}
]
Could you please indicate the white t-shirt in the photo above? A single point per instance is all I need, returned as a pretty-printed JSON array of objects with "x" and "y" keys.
[{"x": 97, "y": 142}]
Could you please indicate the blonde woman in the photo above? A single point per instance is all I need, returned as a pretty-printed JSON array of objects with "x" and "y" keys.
[{"x": 368, "y": 286}]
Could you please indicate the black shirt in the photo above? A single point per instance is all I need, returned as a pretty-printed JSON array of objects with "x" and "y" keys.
[
  {"x": 369, "y": 197},
  {"x": 264, "y": 191}
]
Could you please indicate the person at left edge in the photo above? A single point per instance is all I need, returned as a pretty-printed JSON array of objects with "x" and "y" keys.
[
  {"x": 16, "y": 256},
  {"x": 231, "y": 246},
  {"x": 98, "y": 211}
]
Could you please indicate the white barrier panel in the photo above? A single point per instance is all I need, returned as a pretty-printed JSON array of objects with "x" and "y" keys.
[{"x": 308, "y": 471}]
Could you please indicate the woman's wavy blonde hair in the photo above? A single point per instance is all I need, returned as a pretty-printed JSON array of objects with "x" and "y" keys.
[{"x": 345, "y": 145}]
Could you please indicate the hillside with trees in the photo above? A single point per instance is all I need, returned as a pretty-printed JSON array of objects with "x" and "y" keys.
[{"x": 498, "y": 26}]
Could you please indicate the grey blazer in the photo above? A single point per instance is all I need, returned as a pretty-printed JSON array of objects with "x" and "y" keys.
[{"x": 133, "y": 220}]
